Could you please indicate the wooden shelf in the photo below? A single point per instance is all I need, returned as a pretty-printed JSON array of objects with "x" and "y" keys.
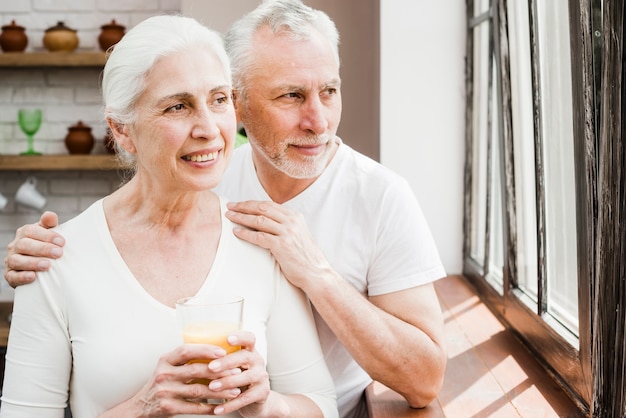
[
  {"x": 95, "y": 59},
  {"x": 52, "y": 59},
  {"x": 58, "y": 162}
]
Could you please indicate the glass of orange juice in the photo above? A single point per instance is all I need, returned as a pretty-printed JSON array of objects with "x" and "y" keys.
[{"x": 210, "y": 320}]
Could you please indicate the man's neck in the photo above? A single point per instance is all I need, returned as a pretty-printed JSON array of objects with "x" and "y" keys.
[{"x": 279, "y": 186}]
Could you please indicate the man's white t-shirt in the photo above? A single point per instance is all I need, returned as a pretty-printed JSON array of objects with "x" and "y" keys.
[{"x": 369, "y": 225}]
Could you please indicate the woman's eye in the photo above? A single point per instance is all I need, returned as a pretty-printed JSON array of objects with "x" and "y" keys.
[
  {"x": 176, "y": 108},
  {"x": 222, "y": 100}
]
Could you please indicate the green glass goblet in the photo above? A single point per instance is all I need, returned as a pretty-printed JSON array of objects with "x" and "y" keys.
[{"x": 30, "y": 122}]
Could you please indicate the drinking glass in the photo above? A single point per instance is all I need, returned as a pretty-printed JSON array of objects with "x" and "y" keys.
[
  {"x": 30, "y": 122},
  {"x": 210, "y": 320}
]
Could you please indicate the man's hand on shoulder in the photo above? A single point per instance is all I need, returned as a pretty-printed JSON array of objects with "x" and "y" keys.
[{"x": 31, "y": 250}]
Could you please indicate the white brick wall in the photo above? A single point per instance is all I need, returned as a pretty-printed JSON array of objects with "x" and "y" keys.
[{"x": 66, "y": 95}]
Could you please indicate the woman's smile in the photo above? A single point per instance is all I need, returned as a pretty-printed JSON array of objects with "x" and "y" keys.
[{"x": 201, "y": 158}]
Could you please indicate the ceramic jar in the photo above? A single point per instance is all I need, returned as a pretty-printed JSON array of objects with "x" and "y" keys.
[
  {"x": 110, "y": 35},
  {"x": 79, "y": 139},
  {"x": 13, "y": 38},
  {"x": 60, "y": 38}
]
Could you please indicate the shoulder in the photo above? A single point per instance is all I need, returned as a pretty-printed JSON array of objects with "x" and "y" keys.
[
  {"x": 243, "y": 250},
  {"x": 362, "y": 172},
  {"x": 84, "y": 221}
]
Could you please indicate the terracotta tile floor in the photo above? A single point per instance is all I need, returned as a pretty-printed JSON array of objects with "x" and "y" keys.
[{"x": 489, "y": 373}]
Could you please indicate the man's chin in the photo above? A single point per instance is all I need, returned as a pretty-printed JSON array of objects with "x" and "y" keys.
[{"x": 300, "y": 171}]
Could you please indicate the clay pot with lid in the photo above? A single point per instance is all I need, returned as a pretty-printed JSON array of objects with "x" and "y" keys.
[
  {"x": 60, "y": 38},
  {"x": 13, "y": 38},
  {"x": 79, "y": 139},
  {"x": 110, "y": 35}
]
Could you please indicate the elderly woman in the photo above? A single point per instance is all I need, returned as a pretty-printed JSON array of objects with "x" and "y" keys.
[{"x": 100, "y": 328}]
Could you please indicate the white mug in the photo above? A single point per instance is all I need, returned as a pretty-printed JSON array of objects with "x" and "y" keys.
[
  {"x": 28, "y": 195},
  {"x": 3, "y": 201}
]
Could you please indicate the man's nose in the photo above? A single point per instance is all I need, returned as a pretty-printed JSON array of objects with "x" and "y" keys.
[{"x": 313, "y": 116}]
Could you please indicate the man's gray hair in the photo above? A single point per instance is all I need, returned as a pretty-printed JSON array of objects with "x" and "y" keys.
[{"x": 282, "y": 16}]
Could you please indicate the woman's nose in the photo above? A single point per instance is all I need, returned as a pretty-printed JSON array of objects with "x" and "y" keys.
[{"x": 205, "y": 125}]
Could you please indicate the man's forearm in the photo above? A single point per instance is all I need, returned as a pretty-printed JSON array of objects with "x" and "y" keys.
[{"x": 391, "y": 347}]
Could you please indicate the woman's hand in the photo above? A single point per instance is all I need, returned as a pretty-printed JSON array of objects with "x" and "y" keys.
[
  {"x": 245, "y": 371},
  {"x": 168, "y": 393},
  {"x": 239, "y": 377}
]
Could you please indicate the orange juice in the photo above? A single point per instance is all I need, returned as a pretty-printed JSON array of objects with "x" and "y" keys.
[{"x": 210, "y": 332}]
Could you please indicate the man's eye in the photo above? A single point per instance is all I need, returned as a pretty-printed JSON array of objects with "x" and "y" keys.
[{"x": 292, "y": 95}]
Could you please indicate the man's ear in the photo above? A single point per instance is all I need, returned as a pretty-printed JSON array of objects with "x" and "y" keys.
[
  {"x": 236, "y": 103},
  {"x": 120, "y": 133}
]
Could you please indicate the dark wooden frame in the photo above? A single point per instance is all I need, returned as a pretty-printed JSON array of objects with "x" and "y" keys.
[
  {"x": 593, "y": 373},
  {"x": 609, "y": 308},
  {"x": 584, "y": 80}
]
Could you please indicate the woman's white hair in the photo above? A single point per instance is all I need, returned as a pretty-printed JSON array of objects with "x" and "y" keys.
[{"x": 132, "y": 58}]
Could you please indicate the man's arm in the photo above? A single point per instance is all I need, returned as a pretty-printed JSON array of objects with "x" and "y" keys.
[
  {"x": 31, "y": 250},
  {"x": 398, "y": 338}
]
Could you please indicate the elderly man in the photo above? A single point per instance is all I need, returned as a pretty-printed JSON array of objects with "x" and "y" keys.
[{"x": 343, "y": 228}]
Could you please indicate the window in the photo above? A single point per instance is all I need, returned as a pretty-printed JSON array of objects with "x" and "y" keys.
[{"x": 545, "y": 188}]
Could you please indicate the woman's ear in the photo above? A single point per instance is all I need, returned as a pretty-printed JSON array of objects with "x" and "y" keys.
[{"x": 120, "y": 133}]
